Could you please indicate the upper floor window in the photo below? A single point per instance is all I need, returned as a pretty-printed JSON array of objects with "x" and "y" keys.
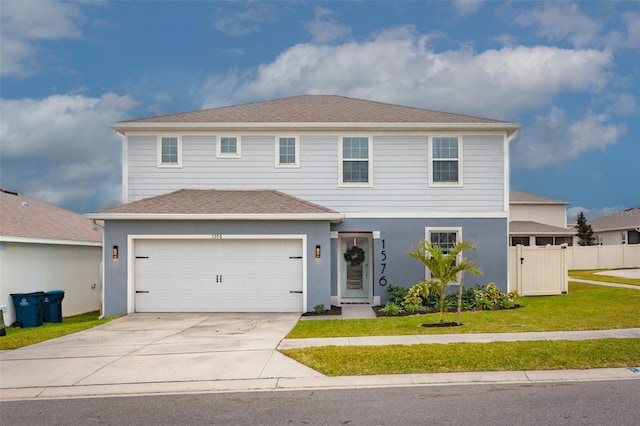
[
  {"x": 445, "y": 153},
  {"x": 355, "y": 162},
  {"x": 229, "y": 147},
  {"x": 287, "y": 152},
  {"x": 169, "y": 151}
]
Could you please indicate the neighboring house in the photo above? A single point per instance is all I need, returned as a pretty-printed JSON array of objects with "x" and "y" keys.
[
  {"x": 535, "y": 220},
  {"x": 287, "y": 204},
  {"x": 621, "y": 227},
  {"x": 44, "y": 247}
]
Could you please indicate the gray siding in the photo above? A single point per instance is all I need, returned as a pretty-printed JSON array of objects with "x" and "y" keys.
[
  {"x": 402, "y": 235},
  {"x": 400, "y": 173}
]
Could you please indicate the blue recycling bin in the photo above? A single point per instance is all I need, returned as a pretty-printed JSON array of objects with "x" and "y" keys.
[
  {"x": 28, "y": 307},
  {"x": 52, "y": 306}
]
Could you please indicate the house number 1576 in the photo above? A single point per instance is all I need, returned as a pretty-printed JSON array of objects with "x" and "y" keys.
[{"x": 383, "y": 265}]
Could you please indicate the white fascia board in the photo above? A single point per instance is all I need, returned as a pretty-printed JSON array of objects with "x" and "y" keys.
[
  {"x": 510, "y": 128},
  {"x": 544, "y": 203},
  {"x": 618, "y": 228},
  {"x": 533, "y": 233},
  {"x": 332, "y": 217},
  {"x": 29, "y": 240},
  {"x": 428, "y": 215}
]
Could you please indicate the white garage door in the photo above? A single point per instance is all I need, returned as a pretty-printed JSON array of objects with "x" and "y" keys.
[{"x": 218, "y": 275}]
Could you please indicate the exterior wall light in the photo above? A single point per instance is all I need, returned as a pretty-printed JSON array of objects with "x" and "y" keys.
[
  {"x": 318, "y": 252},
  {"x": 115, "y": 252}
]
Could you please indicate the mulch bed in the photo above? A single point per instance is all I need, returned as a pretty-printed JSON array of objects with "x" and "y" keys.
[
  {"x": 335, "y": 310},
  {"x": 379, "y": 313}
]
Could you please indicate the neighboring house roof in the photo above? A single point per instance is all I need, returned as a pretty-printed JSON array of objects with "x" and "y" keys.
[
  {"x": 535, "y": 228},
  {"x": 213, "y": 204},
  {"x": 517, "y": 197},
  {"x": 25, "y": 219},
  {"x": 324, "y": 109},
  {"x": 620, "y": 220}
]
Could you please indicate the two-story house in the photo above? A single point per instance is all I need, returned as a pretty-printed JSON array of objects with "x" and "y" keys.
[
  {"x": 538, "y": 221},
  {"x": 286, "y": 204}
]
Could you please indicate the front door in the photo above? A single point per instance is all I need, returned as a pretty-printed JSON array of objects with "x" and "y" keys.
[{"x": 355, "y": 273}]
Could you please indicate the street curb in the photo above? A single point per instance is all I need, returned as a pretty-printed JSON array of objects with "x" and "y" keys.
[{"x": 317, "y": 383}]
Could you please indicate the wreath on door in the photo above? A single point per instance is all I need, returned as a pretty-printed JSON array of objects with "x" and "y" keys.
[{"x": 355, "y": 256}]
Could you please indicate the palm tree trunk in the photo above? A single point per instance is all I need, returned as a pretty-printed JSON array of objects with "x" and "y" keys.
[
  {"x": 442, "y": 309},
  {"x": 460, "y": 295}
]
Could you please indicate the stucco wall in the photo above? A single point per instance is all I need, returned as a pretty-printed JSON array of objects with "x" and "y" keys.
[
  {"x": 117, "y": 232},
  {"x": 400, "y": 235},
  {"x": 27, "y": 268}
]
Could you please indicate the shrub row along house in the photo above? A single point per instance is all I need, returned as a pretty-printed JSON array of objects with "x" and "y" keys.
[{"x": 286, "y": 204}]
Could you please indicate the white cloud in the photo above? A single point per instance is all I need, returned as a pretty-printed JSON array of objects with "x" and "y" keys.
[
  {"x": 560, "y": 21},
  {"x": 26, "y": 23},
  {"x": 324, "y": 29},
  {"x": 61, "y": 149},
  {"x": 466, "y": 7},
  {"x": 592, "y": 214},
  {"x": 245, "y": 22},
  {"x": 397, "y": 65},
  {"x": 553, "y": 140}
]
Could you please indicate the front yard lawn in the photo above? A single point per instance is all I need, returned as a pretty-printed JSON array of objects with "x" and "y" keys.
[
  {"x": 586, "y": 307},
  {"x": 18, "y": 337},
  {"x": 591, "y": 275},
  {"x": 458, "y": 357}
]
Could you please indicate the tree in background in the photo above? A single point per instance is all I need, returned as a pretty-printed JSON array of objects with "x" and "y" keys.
[{"x": 585, "y": 233}]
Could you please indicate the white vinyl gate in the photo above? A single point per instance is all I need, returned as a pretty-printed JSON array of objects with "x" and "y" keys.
[{"x": 538, "y": 271}]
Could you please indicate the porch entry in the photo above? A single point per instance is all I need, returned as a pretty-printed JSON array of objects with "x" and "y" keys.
[{"x": 354, "y": 265}]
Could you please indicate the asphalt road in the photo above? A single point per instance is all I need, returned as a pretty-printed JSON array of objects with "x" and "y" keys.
[{"x": 577, "y": 403}]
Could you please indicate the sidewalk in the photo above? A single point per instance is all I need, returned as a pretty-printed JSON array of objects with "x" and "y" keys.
[{"x": 632, "y": 287}]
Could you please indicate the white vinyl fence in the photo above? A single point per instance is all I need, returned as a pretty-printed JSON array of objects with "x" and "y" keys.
[
  {"x": 601, "y": 257},
  {"x": 538, "y": 271}
]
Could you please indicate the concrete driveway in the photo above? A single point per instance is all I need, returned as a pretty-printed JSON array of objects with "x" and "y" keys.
[{"x": 156, "y": 348}]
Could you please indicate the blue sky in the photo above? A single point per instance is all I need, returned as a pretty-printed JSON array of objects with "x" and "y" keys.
[{"x": 568, "y": 71}]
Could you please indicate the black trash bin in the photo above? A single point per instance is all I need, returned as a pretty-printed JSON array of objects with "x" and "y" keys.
[
  {"x": 28, "y": 307},
  {"x": 52, "y": 305}
]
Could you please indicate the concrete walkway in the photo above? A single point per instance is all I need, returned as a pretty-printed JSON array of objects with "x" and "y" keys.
[{"x": 630, "y": 286}]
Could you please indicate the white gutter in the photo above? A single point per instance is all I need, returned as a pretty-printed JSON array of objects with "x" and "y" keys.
[
  {"x": 30, "y": 240},
  {"x": 333, "y": 217}
]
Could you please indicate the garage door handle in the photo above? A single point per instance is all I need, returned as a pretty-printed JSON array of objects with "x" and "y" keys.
[
  {"x": 142, "y": 291},
  {"x": 142, "y": 257},
  {"x": 295, "y": 291},
  {"x": 295, "y": 257}
]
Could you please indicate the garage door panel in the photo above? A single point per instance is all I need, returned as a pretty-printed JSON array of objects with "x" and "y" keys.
[{"x": 219, "y": 276}]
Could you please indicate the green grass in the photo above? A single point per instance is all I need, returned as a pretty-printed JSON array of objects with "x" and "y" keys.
[
  {"x": 18, "y": 337},
  {"x": 590, "y": 274},
  {"x": 586, "y": 307},
  {"x": 459, "y": 357}
]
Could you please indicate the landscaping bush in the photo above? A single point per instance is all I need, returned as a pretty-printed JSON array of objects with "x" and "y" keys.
[
  {"x": 391, "y": 309},
  {"x": 492, "y": 296},
  {"x": 396, "y": 294}
]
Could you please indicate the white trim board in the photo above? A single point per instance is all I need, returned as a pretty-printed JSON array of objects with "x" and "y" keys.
[
  {"x": 427, "y": 215},
  {"x": 28, "y": 240}
]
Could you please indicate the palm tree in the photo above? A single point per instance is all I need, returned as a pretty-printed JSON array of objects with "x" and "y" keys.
[{"x": 445, "y": 268}]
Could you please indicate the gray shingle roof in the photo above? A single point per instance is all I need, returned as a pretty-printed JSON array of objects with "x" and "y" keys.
[
  {"x": 315, "y": 109},
  {"x": 535, "y": 228},
  {"x": 219, "y": 202},
  {"x": 517, "y": 197},
  {"x": 620, "y": 220},
  {"x": 26, "y": 217}
]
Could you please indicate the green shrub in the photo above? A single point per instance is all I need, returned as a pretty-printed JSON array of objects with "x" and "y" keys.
[
  {"x": 414, "y": 296},
  {"x": 492, "y": 296},
  {"x": 391, "y": 309},
  {"x": 318, "y": 309},
  {"x": 412, "y": 309},
  {"x": 396, "y": 294}
]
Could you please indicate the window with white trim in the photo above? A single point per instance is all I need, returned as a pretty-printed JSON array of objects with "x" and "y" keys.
[
  {"x": 169, "y": 151},
  {"x": 228, "y": 147},
  {"x": 287, "y": 151},
  {"x": 445, "y": 155},
  {"x": 445, "y": 238},
  {"x": 355, "y": 161}
]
